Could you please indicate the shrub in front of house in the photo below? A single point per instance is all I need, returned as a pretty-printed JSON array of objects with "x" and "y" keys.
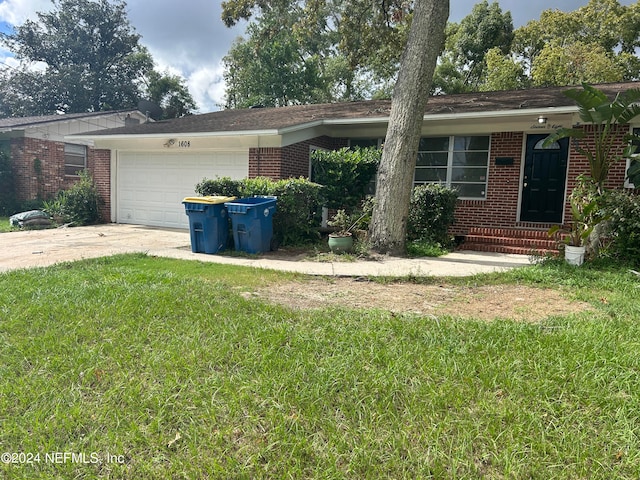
[
  {"x": 221, "y": 186},
  {"x": 346, "y": 175},
  {"x": 623, "y": 225},
  {"x": 297, "y": 209},
  {"x": 79, "y": 205},
  {"x": 431, "y": 214}
]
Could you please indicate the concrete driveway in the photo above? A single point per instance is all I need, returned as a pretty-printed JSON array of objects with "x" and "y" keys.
[{"x": 40, "y": 248}]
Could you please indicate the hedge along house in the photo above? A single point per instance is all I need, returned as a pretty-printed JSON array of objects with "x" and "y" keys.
[
  {"x": 44, "y": 161},
  {"x": 487, "y": 145}
]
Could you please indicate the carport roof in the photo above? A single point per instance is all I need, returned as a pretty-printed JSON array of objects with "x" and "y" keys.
[{"x": 279, "y": 119}]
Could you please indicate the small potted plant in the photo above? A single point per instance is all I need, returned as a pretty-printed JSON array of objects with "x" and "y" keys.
[
  {"x": 585, "y": 217},
  {"x": 341, "y": 240}
]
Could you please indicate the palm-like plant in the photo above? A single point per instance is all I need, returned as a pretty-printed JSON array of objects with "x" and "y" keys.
[{"x": 595, "y": 108}]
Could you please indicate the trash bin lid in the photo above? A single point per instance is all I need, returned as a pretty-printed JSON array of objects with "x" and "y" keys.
[{"x": 210, "y": 200}]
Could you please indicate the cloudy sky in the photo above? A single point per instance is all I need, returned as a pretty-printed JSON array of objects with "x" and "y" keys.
[{"x": 188, "y": 38}]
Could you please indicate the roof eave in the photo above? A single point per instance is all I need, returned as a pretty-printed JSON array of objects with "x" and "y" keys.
[{"x": 128, "y": 136}]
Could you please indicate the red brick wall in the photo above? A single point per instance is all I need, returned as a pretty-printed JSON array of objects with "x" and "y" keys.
[
  {"x": 291, "y": 161},
  {"x": 38, "y": 167},
  {"x": 500, "y": 208},
  {"x": 99, "y": 163}
]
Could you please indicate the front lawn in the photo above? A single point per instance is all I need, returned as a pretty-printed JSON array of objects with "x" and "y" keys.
[{"x": 148, "y": 368}]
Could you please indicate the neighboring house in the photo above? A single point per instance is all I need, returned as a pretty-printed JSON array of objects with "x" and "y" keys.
[
  {"x": 44, "y": 161},
  {"x": 488, "y": 145}
]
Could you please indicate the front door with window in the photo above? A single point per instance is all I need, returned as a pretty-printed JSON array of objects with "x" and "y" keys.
[{"x": 544, "y": 179}]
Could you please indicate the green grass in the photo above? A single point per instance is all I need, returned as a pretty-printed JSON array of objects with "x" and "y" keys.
[
  {"x": 4, "y": 225},
  {"x": 165, "y": 365}
]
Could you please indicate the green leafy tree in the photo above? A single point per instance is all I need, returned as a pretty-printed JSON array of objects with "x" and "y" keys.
[
  {"x": 84, "y": 56},
  {"x": 170, "y": 93},
  {"x": 322, "y": 50},
  {"x": 92, "y": 56},
  {"x": 463, "y": 65},
  {"x": 574, "y": 64},
  {"x": 274, "y": 67},
  {"x": 502, "y": 72},
  {"x": 599, "y": 33}
]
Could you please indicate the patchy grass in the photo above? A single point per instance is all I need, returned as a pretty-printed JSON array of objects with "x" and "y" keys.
[
  {"x": 5, "y": 226},
  {"x": 159, "y": 368}
]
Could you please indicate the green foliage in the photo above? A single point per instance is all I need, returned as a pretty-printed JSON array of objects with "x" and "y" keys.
[
  {"x": 8, "y": 202},
  {"x": 502, "y": 72},
  {"x": 464, "y": 63},
  {"x": 345, "y": 174},
  {"x": 315, "y": 51},
  {"x": 79, "y": 205},
  {"x": 623, "y": 211},
  {"x": 297, "y": 209},
  {"x": 596, "y": 109},
  {"x": 93, "y": 61},
  {"x": 560, "y": 64},
  {"x": 431, "y": 214},
  {"x": 170, "y": 93},
  {"x": 221, "y": 186},
  {"x": 274, "y": 68},
  {"x": 425, "y": 248},
  {"x": 586, "y": 213}
]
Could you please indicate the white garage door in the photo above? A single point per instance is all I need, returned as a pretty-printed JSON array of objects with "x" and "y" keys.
[{"x": 150, "y": 187}]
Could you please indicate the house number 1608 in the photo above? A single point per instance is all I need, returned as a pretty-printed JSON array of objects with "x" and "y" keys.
[{"x": 184, "y": 144}]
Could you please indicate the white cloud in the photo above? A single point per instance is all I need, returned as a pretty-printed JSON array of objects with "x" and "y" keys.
[
  {"x": 206, "y": 85},
  {"x": 15, "y": 12}
]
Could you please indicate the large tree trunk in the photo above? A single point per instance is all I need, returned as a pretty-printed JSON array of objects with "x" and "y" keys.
[{"x": 410, "y": 95}]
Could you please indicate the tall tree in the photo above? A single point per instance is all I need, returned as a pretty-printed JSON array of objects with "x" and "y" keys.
[
  {"x": 93, "y": 58},
  {"x": 352, "y": 47},
  {"x": 596, "y": 38},
  {"x": 82, "y": 56},
  {"x": 170, "y": 93},
  {"x": 410, "y": 95},
  {"x": 276, "y": 67},
  {"x": 502, "y": 72},
  {"x": 463, "y": 66}
]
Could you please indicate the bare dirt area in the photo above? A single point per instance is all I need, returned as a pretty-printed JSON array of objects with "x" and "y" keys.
[{"x": 520, "y": 303}]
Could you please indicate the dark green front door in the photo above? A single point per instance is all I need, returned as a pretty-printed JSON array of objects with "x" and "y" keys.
[{"x": 543, "y": 185}]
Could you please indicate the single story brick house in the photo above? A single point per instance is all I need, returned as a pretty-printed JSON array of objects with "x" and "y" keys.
[
  {"x": 44, "y": 160},
  {"x": 488, "y": 145}
]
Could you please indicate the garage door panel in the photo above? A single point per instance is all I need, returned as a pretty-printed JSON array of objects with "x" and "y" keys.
[{"x": 150, "y": 187}]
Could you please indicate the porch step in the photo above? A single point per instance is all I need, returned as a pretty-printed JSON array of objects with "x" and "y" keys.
[{"x": 518, "y": 241}]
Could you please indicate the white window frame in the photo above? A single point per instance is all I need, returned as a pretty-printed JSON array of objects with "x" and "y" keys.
[
  {"x": 627, "y": 183},
  {"x": 450, "y": 157}
]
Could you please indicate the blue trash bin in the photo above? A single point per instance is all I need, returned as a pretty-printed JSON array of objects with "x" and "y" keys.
[
  {"x": 252, "y": 223},
  {"x": 208, "y": 223}
]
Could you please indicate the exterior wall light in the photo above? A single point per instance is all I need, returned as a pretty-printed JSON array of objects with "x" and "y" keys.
[{"x": 542, "y": 120}]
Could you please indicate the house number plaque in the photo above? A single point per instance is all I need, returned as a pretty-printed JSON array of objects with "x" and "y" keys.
[{"x": 184, "y": 143}]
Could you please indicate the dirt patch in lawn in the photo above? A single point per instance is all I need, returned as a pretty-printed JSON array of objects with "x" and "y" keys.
[{"x": 521, "y": 303}]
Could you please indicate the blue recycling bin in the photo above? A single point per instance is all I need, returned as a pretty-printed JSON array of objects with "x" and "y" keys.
[
  {"x": 252, "y": 223},
  {"x": 208, "y": 223}
]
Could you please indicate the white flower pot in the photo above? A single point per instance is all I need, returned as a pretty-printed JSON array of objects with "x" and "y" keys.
[{"x": 574, "y": 255}]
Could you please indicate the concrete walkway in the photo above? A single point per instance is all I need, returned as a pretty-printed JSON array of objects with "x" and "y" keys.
[{"x": 39, "y": 248}]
